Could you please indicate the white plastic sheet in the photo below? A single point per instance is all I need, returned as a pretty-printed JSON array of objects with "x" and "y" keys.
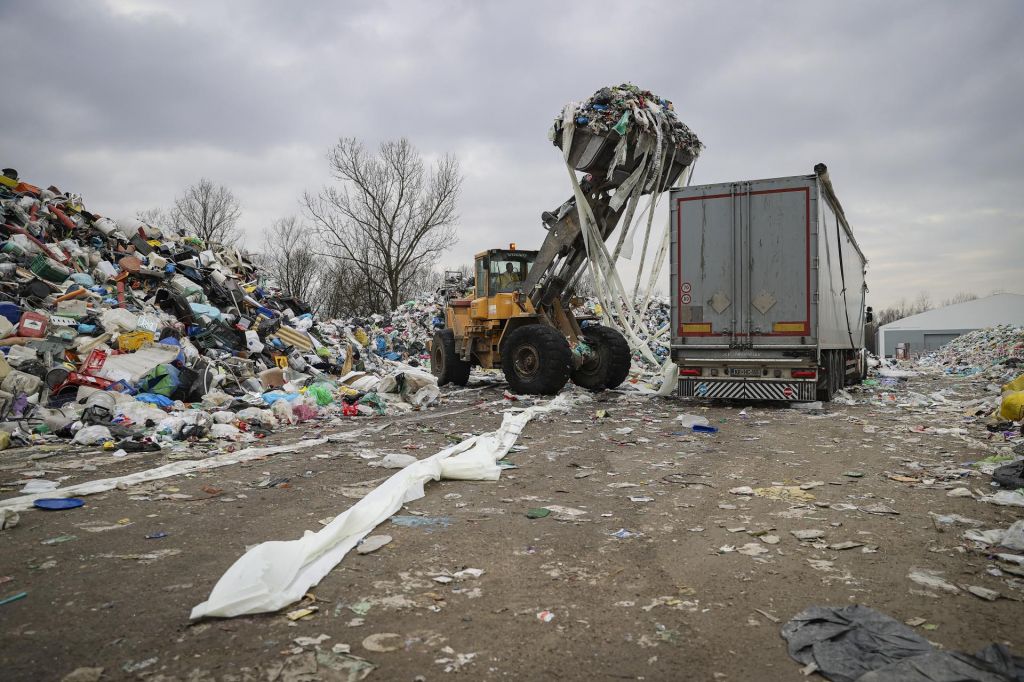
[
  {"x": 175, "y": 468},
  {"x": 274, "y": 574}
]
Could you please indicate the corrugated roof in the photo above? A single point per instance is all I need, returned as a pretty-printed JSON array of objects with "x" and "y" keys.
[{"x": 983, "y": 312}]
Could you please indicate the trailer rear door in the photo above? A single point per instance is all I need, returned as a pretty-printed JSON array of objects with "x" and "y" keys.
[{"x": 742, "y": 272}]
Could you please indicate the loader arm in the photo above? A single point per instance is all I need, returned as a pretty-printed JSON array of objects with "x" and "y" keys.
[{"x": 563, "y": 253}]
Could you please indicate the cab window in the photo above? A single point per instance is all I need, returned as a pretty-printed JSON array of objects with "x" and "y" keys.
[
  {"x": 481, "y": 277},
  {"x": 508, "y": 273}
]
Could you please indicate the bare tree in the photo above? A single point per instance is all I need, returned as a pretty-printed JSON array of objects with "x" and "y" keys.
[
  {"x": 962, "y": 297},
  {"x": 345, "y": 293},
  {"x": 207, "y": 211},
  {"x": 289, "y": 256},
  {"x": 389, "y": 218},
  {"x": 155, "y": 217}
]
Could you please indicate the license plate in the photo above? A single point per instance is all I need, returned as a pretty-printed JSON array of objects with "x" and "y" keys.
[{"x": 744, "y": 372}]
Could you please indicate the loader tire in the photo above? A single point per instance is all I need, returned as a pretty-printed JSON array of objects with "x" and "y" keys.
[
  {"x": 536, "y": 359},
  {"x": 609, "y": 365},
  {"x": 445, "y": 364}
]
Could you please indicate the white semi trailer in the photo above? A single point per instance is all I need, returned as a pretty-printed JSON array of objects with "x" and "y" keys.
[{"x": 768, "y": 290}]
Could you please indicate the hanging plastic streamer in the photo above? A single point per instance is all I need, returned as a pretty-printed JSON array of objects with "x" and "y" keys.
[{"x": 654, "y": 121}]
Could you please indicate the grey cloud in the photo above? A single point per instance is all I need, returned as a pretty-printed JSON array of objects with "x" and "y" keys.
[{"x": 914, "y": 106}]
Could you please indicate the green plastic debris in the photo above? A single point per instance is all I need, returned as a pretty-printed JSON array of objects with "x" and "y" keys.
[
  {"x": 375, "y": 401},
  {"x": 623, "y": 125},
  {"x": 322, "y": 393},
  {"x": 538, "y": 513},
  {"x": 360, "y": 608},
  {"x": 13, "y": 597},
  {"x": 854, "y": 474},
  {"x": 994, "y": 459}
]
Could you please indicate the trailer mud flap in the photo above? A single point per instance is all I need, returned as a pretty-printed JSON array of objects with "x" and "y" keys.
[{"x": 690, "y": 387}]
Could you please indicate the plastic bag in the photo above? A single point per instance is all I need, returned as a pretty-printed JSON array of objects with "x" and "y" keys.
[
  {"x": 304, "y": 412},
  {"x": 322, "y": 393},
  {"x": 255, "y": 414},
  {"x": 426, "y": 396},
  {"x": 282, "y": 411},
  {"x": 222, "y": 430},
  {"x": 223, "y": 417},
  {"x": 92, "y": 435},
  {"x": 140, "y": 412},
  {"x": 118, "y": 320},
  {"x": 216, "y": 398},
  {"x": 1012, "y": 405}
]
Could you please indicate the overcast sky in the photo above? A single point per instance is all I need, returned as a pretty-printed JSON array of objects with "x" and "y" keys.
[{"x": 917, "y": 108}]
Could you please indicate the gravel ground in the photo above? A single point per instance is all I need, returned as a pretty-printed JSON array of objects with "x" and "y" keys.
[{"x": 696, "y": 586}]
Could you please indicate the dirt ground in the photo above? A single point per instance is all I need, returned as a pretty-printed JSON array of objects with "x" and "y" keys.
[{"x": 671, "y": 599}]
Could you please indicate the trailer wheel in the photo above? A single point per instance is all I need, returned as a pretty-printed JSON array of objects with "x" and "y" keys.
[
  {"x": 536, "y": 359},
  {"x": 826, "y": 376},
  {"x": 609, "y": 364},
  {"x": 445, "y": 363}
]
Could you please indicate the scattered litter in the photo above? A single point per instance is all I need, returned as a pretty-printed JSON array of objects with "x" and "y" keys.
[
  {"x": 688, "y": 421},
  {"x": 302, "y": 614},
  {"x": 789, "y": 493},
  {"x": 83, "y": 675},
  {"x": 311, "y": 641},
  {"x": 372, "y": 543},
  {"x": 8, "y": 519},
  {"x": 878, "y": 509},
  {"x": 932, "y": 579},
  {"x": 753, "y": 549},
  {"x": 13, "y": 598},
  {"x": 58, "y": 503},
  {"x": 383, "y": 642},
  {"x": 425, "y": 522},
  {"x": 812, "y": 534},
  {"x": 983, "y": 592},
  {"x": 545, "y": 616}
]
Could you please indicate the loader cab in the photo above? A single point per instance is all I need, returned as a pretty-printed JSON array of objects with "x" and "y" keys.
[{"x": 502, "y": 271}]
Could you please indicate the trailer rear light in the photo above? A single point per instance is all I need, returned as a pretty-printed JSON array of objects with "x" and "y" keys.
[
  {"x": 804, "y": 373},
  {"x": 689, "y": 372}
]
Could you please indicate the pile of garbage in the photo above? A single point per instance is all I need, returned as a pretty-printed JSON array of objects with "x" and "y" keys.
[
  {"x": 656, "y": 317},
  {"x": 996, "y": 351},
  {"x": 402, "y": 335},
  {"x": 623, "y": 107},
  {"x": 128, "y": 334}
]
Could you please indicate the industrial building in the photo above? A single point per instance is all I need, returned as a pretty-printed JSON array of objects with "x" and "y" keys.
[{"x": 927, "y": 331}]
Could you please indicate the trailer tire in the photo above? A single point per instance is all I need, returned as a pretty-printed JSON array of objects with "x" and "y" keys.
[
  {"x": 536, "y": 359},
  {"x": 826, "y": 382},
  {"x": 445, "y": 363},
  {"x": 609, "y": 365}
]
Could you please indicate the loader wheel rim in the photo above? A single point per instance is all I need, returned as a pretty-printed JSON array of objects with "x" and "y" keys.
[
  {"x": 437, "y": 358},
  {"x": 526, "y": 360}
]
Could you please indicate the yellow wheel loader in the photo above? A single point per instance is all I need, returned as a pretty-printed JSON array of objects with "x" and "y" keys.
[{"x": 520, "y": 318}]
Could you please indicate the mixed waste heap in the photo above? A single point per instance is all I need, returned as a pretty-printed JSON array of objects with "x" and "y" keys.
[
  {"x": 995, "y": 350},
  {"x": 625, "y": 106},
  {"x": 122, "y": 333}
]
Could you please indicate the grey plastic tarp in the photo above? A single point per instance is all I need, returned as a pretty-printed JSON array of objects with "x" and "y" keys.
[{"x": 859, "y": 644}]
